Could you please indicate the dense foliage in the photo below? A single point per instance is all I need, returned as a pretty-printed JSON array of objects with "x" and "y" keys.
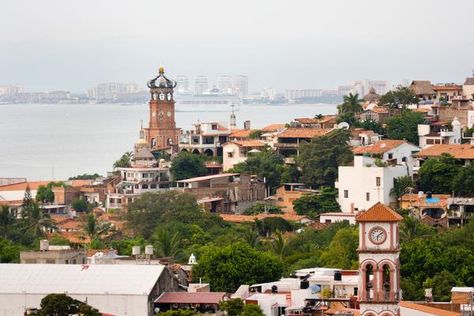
[
  {"x": 228, "y": 267},
  {"x": 85, "y": 176},
  {"x": 320, "y": 158},
  {"x": 404, "y": 126},
  {"x": 44, "y": 193},
  {"x": 187, "y": 165},
  {"x": 399, "y": 98},
  {"x": 64, "y": 305},
  {"x": 313, "y": 204},
  {"x": 350, "y": 107},
  {"x": 125, "y": 161},
  {"x": 437, "y": 174}
]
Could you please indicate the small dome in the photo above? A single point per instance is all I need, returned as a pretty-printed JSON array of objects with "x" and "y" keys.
[
  {"x": 456, "y": 122},
  {"x": 372, "y": 96},
  {"x": 192, "y": 259},
  {"x": 161, "y": 81}
]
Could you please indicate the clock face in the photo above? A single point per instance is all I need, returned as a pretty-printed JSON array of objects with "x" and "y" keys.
[
  {"x": 162, "y": 96},
  {"x": 168, "y": 114},
  {"x": 377, "y": 235}
]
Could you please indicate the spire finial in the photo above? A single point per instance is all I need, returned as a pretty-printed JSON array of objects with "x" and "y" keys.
[{"x": 161, "y": 70}]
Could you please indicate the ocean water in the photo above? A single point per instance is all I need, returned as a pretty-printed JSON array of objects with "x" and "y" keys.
[{"x": 45, "y": 141}]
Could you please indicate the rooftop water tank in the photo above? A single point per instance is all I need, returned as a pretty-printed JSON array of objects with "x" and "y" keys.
[
  {"x": 44, "y": 245},
  {"x": 149, "y": 250},
  {"x": 136, "y": 250}
]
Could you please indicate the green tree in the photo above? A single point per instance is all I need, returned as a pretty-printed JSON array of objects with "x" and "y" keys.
[
  {"x": 290, "y": 174},
  {"x": 9, "y": 251},
  {"x": 342, "y": 251},
  {"x": 279, "y": 245},
  {"x": 399, "y": 98},
  {"x": 255, "y": 134},
  {"x": 312, "y": 204},
  {"x": 233, "y": 307},
  {"x": 80, "y": 205},
  {"x": 95, "y": 228},
  {"x": 371, "y": 125},
  {"x": 266, "y": 164},
  {"x": 320, "y": 159},
  {"x": 64, "y": 305},
  {"x": 411, "y": 228},
  {"x": 178, "y": 312},
  {"x": 35, "y": 221},
  {"x": 252, "y": 310},
  {"x": 27, "y": 200},
  {"x": 187, "y": 165},
  {"x": 437, "y": 174},
  {"x": 350, "y": 106},
  {"x": 404, "y": 126},
  {"x": 463, "y": 182},
  {"x": 167, "y": 244},
  {"x": 259, "y": 207},
  {"x": 401, "y": 186},
  {"x": 45, "y": 193},
  {"x": 125, "y": 161},
  {"x": 7, "y": 220},
  {"x": 226, "y": 268},
  {"x": 85, "y": 176},
  {"x": 269, "y": 225},
  {"x": 443, "y": 282},
  {"x": 251, "y": 237}
]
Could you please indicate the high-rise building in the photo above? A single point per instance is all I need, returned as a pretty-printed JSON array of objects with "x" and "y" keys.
[
  {"x": 162, "y": 132},
  {"x": 241, "y": 86},
  {"x": 10, "y": 89},
  {"x": 225, "y": 84},
  {"x": 201, "y": 85},
  {"x": 182, "y": 82},
  {"x": 110, "y": 90}
]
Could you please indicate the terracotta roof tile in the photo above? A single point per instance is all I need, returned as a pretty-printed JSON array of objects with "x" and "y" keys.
[
  {"x": 273, "y": 127},
  {"x": 190, "y": 298},
  {"x": 248, "y": 143},
  {"x": 379, "y": 147},
  {"x": 379, "y": 213},
  {"x": 240, "y": 133},
  {"x": 303, "y": 132},
  {"x": 22, "y": 186},
  {"x": 428, "y": 309},
  {"x": 458, "y": 151}
]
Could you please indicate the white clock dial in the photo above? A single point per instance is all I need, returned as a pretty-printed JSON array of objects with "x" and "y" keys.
[
  {"x": 377, "y": 235},
  {"x": 162, "y": 96}
]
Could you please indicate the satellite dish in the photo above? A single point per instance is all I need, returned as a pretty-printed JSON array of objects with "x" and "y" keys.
[{"x": 343, "y": 125}]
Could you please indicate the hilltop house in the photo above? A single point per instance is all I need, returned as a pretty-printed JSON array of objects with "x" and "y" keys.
[
  {"x": 204, "y": 138},
  {"x": 238, "y": 151}
]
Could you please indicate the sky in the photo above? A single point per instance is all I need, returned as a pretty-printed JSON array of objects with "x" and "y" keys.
[{"x": 73, "y": 45}]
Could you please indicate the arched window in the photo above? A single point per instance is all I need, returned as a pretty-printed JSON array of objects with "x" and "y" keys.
[
  {"x": 387, "y": 282},
  {"x": 369, "y": 282}
]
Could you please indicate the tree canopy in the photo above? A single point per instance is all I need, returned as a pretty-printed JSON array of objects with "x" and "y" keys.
[
  {"x": 437, "y": 174},
  {"x": 228, "y": 267},
  {"x": 64, "y": 305},
  {"x": 125, "y": 161},
  {"x": 312, "y": 204},
  {"x": 187, "y": 165},
  {"x": 404, "y": 126},
  {"x": 350, "y": 106},
  {"x": 320, "y": 158},
  {"x": 398, "y": 98},
  {"x": 45, "y": 193}
]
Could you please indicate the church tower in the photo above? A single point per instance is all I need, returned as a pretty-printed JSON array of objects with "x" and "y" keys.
[
  {"x": 162, "y": 133},
  {"x": 379, "y": 266}
]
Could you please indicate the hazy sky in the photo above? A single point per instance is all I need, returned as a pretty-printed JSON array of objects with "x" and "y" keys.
[{"x": 62, "y": 44}]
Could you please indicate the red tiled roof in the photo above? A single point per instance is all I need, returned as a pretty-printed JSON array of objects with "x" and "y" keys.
[
  {"x": 379, "y": 147},
  {"x": 458, "y": 151},
  {"x": 428, "y": 309},
  {"x": 248, "y": 143},
  {"x": 273, "y": 127},
  {"x": 303, "y": 132},
  {"x": 240, "y": 133},
  {"x": 378, "y": 109},
  {"x": 190, "y": 298},
  {"x": 311, "y": 120},
  {"x": 22, "y": 186},
  {"x": 379, "y": 213}
]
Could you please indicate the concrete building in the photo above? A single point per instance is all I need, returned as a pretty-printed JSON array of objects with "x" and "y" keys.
[
  {"x": 225, "y": 84},
  {"x": 336, "y": 217},
  {"x": 201, "y": 85},
  {"x": 440, "y": 133},
  {"x": 241, "y": 86},
  {"x": 226, "y": 192},
  {"x": 54, "y": 255},
  {"x": 112, "y": 289},
  {"x": 111, "y": 90},
  {"x": 182, "y": 84},
  {"x": 365, "y": 183},
  {"x": 237, "y": 151},
  {"x": 205, "y": 138},
  {"x": 289, "y": 140}
]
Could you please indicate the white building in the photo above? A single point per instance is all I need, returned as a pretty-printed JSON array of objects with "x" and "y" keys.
[
  {"x": 112, "y": 289},
  {"x": 235, "y": 152},
  {"x": 182, "y": 82},
  {"x": 439, "y": 134},
  {"x": 201, "y": 85},
  {"x": 241, "y": 86},
  {"x": 205, "y": 138},
  {"x": 336, "y": 217},
  {"x": 365, "y": 183}
]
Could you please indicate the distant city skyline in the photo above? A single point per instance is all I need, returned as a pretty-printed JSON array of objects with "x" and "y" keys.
[{"x": 73, "y": 46}]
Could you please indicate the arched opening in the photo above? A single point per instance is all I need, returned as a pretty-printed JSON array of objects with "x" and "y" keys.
[
  {"x": 153, "y": 143},
  {"x": 184, "y": 150},
  {"x": 386, "y": 282},
  {"x": 369, "y": 282},
  {"x": 196, "y": 151},
  {"x": 209, "y": 152}
]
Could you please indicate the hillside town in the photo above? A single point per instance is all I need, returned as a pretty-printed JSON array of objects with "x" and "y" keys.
[{"x": 363, "y": 212}]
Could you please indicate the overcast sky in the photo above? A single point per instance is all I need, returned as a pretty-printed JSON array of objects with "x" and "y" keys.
[{"x": 73, "y": 45}]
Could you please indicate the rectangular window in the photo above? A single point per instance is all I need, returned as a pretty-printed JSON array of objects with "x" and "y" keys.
[
  {"x": 346, "y": 194},
  {"x": 390, "y": 156},
  {"x": 367, "y": 196},
  {"x": 230, "y": 155},
  {"x": 377, "y": 181}
]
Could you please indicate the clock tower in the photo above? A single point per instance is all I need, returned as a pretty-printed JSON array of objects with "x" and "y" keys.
[
  {"x": 162, "y": 133},
  {"x": 379, "y": 266}
]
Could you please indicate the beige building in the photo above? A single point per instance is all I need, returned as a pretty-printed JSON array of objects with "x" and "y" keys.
[
  {"x": 54, "y": 255},
  {"x": 235, "y": 152}
]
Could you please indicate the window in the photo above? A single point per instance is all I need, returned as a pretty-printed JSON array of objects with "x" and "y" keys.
[
  {"x": 144, "y": 186},
  {"x": 377, "y": 181},
  {"x": 230, "y": 155},
  {"x": 390, "y": 156},
  {"x": 153, "y": 186},
  {"x": 367, "y": 196},
  {"x": 346, "y": 194}
]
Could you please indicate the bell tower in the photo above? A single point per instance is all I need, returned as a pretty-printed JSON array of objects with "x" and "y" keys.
[
  {"x": 162, "y": 133},
  {"x": 379, "y": 265}
]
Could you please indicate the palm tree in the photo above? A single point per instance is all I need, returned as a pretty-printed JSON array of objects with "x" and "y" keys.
[
  {"x": 352, "y": 103},
  {"x": 412, "y": 228},
  {"x": 7, "y": 219},
  {"x": 251, "y": 237},
  {"x": 94, "y": 228},
  {"x": 279, "y": 245},
  {"x": 167, "y": 245},
  {"x": 36, "y": 221}
]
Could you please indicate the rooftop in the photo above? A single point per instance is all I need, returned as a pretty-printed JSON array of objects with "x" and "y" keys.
[
  {"x": 303, "y": 132},
  {"x": 22, "y": 185},
  {"x": 380, "y": 147},
  {"x": 379, "y": 213},
  {"x": 458, "y": 151},
  {"x": 79, "y": 279},
  {"x": 427, "y": 309},
  {"x": 190, "y": 298},
  {"x": 421, "y": 87},
  {"x": 236, "y": 218},
  {"x": 273, "y": 127},
  {"x": 240, "y": 133},
  {"x": 248, "y": 143},
  {"x": 204, "y": 178}
]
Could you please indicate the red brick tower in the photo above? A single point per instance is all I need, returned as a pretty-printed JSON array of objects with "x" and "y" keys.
[{"x": 161, "y": 133}]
